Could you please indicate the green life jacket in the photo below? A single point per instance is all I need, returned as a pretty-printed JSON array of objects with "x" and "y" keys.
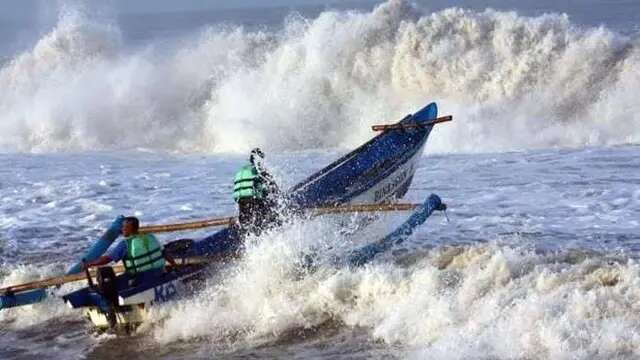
[
  {"x": 143, "y": 253},
  {"x": 247, "y": 184}
]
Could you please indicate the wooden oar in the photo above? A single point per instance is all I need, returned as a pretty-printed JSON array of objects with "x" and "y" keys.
[
  {"x": 64, "y": 279},
  {"x": 187, "y": 226},
  {"x": 316, "y": 211},
  {"x": 411, "y": 126}
]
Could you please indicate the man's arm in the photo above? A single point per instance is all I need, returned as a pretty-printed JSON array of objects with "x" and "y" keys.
[
  {"x": 116, "y": 254},
  {"x": 271, "y": 184},
  {"x": 102, "y": 260}
]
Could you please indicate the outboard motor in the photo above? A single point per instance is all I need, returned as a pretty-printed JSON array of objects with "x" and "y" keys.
[{"x": 107, "y": 287}]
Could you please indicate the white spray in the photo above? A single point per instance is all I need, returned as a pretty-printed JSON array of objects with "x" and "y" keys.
[
  {"x": 456, "y": 302},
  {"x": 512, "y": 82}
]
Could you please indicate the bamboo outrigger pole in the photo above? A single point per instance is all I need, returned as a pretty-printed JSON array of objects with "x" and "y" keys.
[
  {"x": 315, "y": 211},
  {"x": 188, "y": 225},
  {"x": 60, "y": 280}
]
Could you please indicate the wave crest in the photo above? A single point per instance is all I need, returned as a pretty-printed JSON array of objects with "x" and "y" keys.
[{"x": 511, "y": 82}]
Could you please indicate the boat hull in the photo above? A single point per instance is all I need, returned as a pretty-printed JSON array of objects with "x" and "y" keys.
[
  {"x": 391, "y": 188},
  {"x": 375, "y": 166},
  {"x": 132, "y": 302},
  {"x": 379, "y": 171}
]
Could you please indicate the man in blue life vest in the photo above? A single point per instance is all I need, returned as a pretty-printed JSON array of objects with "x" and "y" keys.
[
  {"x": 141, "y": 254},
  {"x": 256, "y": 193}
]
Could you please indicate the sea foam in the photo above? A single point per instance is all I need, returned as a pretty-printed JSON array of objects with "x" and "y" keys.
[{"x": 453, "y": 302}]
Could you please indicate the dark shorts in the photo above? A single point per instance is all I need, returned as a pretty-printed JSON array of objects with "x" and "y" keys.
[{"x": 256, "y": 215}]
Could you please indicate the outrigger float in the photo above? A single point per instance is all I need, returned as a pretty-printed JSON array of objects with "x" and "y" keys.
[{"x": 378, "y": 172}]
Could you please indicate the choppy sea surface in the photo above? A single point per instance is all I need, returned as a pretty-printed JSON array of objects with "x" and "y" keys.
[
  {"x": 539, "y": 260},
  {"x": 150, "y": 115}
]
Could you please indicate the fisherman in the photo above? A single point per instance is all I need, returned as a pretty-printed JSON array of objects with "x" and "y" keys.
[
  {"x": 256, "y": 193},
  {"x": 141, "y": 254}
]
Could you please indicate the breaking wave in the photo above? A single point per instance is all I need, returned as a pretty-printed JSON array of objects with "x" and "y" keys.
[
  {"x": 456, "y": 302},
  {"x": 29, "y": 316},
  {"x": 511, "y": 82}
]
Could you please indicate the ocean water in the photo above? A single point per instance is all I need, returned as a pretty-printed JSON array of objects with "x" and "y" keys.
[{"x": 105, "y": 111}]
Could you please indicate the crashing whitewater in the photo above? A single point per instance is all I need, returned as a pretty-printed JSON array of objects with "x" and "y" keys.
[
  {"x": 452, "y": 302},
  {"x": 511, "y": 82},
  {"x": 459, "y": 302}
]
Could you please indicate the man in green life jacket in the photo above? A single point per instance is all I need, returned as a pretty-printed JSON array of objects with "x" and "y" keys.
[
  {"x": 256, "y": 193},
  {"x": 141, "y": 254}
]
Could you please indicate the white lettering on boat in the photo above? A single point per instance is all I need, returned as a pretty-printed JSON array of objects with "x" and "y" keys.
[
  {"x": 393, "y": 184},
  {"x": 164, "y": 292}
]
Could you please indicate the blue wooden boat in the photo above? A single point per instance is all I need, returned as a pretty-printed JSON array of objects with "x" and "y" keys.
[{"x": 381, "y": 170}]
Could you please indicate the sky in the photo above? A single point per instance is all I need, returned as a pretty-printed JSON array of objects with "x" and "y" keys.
[
  {"x": 12, "y": 9},
  {"x": 22, "y": 22}
]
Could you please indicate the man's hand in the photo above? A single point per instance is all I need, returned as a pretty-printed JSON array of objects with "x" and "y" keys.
[
  {"x": 84, "y": 265},
  {"x": 169, "y": 258},
  {"x": 102, "y": 260}
]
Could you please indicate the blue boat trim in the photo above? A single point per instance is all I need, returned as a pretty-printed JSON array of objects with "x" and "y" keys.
[{"x": 22, "y": 298}]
